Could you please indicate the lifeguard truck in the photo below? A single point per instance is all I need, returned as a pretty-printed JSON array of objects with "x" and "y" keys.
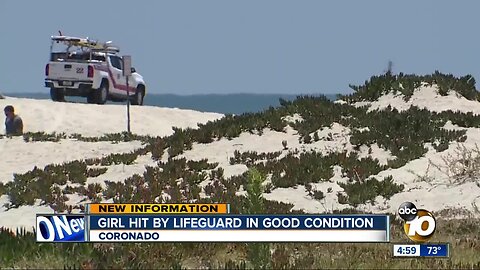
[{"x": 91, "y": 69}]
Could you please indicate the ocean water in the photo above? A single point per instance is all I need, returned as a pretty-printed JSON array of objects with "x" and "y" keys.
[{"x": 226, "y": 104}]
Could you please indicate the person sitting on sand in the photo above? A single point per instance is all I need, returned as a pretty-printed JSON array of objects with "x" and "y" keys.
[{"x": 13, "y": 122}]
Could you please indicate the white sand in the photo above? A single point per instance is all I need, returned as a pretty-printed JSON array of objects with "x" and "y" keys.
[
  {"x": 96, "y": 120},
  {"x": 424, "y": 97},
  {"x": 293, "y": 118}
]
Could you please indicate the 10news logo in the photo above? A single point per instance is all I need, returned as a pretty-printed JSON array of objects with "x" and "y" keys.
[{"x": 420, "y": 224}]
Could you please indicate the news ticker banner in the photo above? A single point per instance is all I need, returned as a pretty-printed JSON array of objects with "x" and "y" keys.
[
  {"x": 238, "y": 228},
  {"x": 421, "y": 250},
  {"x": 189, "y": 223}
]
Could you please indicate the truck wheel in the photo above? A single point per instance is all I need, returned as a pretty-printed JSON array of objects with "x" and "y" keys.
[
  {"x": 101, "y": 94},
  {"x": 91, "y": 97},
  {"x": 139, "y": 95},
  {"x": 57, "y": 94}
]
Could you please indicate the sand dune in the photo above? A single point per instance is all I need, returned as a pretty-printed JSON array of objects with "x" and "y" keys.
[{"x": 94, "y": 120}]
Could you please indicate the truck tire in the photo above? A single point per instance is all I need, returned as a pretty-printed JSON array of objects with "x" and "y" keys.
[
  {"x": 100, "y": 96},
  {"x": 57, "y": 94},
  {"x": 139, "y": 95},
  {"x": 91, "y": 97}
]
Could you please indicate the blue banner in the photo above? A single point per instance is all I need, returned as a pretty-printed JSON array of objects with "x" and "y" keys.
[
  {"x": 239, "y": 222},
  {"x": 434, "y": 250}
]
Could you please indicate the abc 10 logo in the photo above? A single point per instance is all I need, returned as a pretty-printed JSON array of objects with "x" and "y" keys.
[{"x": 419, "y": 224}]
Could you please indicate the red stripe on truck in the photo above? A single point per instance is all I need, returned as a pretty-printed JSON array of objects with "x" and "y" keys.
[{"x": 122, "y": 87}]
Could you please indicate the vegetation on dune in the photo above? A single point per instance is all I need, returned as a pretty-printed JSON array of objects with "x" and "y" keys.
[
  {"x": 405, "y": 135},
  {"x": 249, "y": 158},
  {"x": 361, "y": 192},
  {"x": 406, "y": 84},
  {"x": 43, "y": 137},
  {"x": 51, "y": 184},
  {"x": 55, "y": 137}
]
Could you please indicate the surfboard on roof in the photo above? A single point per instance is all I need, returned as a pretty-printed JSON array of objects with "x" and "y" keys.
[{"x": 85, "y": 42}]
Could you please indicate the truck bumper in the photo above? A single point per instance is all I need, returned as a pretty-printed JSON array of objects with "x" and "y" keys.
[{"x": 78, "y": 88}]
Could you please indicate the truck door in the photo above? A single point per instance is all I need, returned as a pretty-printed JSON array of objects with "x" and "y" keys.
[{"x": 118, "y": 84}]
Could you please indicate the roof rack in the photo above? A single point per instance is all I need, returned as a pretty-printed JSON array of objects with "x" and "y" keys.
[{"x": 87, "y": 43}]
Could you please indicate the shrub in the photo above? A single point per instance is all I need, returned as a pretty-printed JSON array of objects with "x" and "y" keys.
[
  {"x": 462, "y": 166},
  {"x": 258, "y": 253},
  {"x": 95, "y": 172},
  {"x": 367, "y": 191},
  {"x": 43, "y": 137}
]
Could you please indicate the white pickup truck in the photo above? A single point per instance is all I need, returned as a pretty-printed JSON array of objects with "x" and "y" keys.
[{"x": 90, "y": 69}]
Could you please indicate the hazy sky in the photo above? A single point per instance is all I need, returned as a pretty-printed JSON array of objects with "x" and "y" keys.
[{"x": 248, "y": 46}]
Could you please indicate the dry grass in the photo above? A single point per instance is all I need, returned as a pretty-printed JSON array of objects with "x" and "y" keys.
[{"x": 461, "y": 166}]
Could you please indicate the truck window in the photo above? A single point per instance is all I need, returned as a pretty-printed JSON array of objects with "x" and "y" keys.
[
  {"x": 98, "y": 57},
  {"x": 58, "y": 56},
  {"x": 116, "y": 62}
]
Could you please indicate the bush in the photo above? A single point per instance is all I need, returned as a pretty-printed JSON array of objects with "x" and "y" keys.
[
  {"x": 462, "y": 166},
  {"x": 258, "y": 253},
  {"x": 43, "y": 137},
  {"x": 367, "y": 191}
]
